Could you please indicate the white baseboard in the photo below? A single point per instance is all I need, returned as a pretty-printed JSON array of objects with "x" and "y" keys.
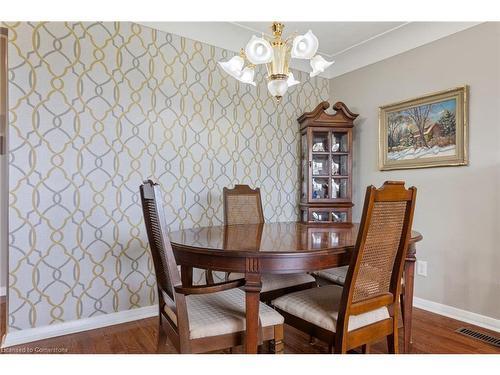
[
  {"x": 3, "y": 291},
  {"x": 458, "y": 314},
  {"x": 86, "y": 324}
]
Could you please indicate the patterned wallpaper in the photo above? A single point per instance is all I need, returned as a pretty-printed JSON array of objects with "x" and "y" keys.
[{"x": 95, "y": 108}]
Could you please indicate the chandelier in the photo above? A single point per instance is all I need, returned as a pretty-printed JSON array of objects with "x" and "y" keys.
[{"x": 276, "y": 54}]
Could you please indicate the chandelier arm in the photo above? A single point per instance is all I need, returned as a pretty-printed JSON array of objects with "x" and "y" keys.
[
  {"x": 266, "y": 37},
  {"x": 291, "y": 37},
  {"x": 243, "y": 55}
]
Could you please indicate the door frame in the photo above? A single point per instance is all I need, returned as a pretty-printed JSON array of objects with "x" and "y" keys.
[{"x": 4, "y": 176}]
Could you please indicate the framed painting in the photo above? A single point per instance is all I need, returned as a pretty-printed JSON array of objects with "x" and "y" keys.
[{"x": 429, "y": 131}]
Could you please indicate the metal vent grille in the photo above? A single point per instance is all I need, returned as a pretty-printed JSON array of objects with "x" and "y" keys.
[{"x": 495, "y": 341}]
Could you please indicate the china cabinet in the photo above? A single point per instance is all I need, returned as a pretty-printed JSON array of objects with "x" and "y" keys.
[{"x": 326, "y": 164}]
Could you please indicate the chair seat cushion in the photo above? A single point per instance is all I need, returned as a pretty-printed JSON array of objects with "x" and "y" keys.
[
  {"x": 336, "y": 275},
  {"x": 320, "y": 306},
  {"x": 275, "y": 282},
  {"x": 223, "y": 312}
]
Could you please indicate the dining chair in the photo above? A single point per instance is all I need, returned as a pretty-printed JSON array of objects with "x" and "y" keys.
[
  {"x": 243, "y": 205},
  {"x": 337, "y": 275},
  {"x": 366, "y": 309},
  {"x": 199, "y": 318}
]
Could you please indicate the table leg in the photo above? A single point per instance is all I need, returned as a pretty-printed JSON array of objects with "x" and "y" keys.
[
  {"x": 252, "y": 299},
  {"x": 409, "y": 276},
  {"x": 187, "y": 276}
]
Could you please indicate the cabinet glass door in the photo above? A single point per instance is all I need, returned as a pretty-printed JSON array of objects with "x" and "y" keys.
[
  {"x": 339, "y": 188},
  {"x": 320, "y": 142},
  {"x": 303, "y": 167},
  {"x": 320, "y": 215},
  {"x": 339, "y": 142},
  {"x": 320, "y": 165},
  {"x": 339, "y": 165},
  {"x": 339, "y": 216},
  {"x": 320, "y": 188}
]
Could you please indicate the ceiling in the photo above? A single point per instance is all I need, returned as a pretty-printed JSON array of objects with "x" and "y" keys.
[
  {"x": 352, "y": 45},
  {"x": 334, "y": 37}
]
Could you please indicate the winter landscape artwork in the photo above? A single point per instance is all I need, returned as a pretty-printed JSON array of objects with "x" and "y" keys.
[{"x": 428, "y": 131}]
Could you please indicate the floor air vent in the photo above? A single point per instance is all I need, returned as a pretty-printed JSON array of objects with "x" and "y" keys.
[{"x": 495, "y": 341}]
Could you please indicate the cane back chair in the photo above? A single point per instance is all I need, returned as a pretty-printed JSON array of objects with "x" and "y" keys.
[
  {"x": 366, "y": 309},
  {"x": 198, "y": 318},
  {"x": 243, "y": 205}
]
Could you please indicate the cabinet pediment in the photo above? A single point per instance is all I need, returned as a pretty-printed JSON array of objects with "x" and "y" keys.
[{"x": 342, "y": 116}]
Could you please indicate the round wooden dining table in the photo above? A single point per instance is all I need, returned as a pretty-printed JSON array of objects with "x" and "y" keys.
[{"x": 275, "y": 248}]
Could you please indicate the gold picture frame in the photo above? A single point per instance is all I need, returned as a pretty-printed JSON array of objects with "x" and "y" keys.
[{"x": 428, "y": 131}]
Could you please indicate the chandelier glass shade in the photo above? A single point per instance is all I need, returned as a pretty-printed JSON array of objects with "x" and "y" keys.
[{"x": 276, "y": 53}]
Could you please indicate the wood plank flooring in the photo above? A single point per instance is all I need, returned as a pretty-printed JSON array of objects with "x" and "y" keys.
[{"x": 432, "y": 333}]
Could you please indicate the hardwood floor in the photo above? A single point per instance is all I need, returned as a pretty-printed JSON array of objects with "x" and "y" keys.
[{"x": 431, "y": 334}]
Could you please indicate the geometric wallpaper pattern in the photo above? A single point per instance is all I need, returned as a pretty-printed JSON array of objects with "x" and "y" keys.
[{"x": 96, "y": 108}]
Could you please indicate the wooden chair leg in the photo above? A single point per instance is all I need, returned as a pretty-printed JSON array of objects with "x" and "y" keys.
[
  {"x": 340, "y": 343},
  {"x": 158, "y": 342},
  {"x": 393, "y": 338},
  {"x": 365, "y": 349},
  {"x": 209, "y": 277},
  {"x": 402, "y": 303},
  {"x": 277, "y": 345},
  {"x": 338, "y": 350},
  {"x": 340, "y": 347},
  {"x": 162, "y": 337},
  {"x": 391, "y": 348}
]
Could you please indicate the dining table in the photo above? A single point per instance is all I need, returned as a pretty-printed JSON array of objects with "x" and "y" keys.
[{"x": 277, "y": 248}]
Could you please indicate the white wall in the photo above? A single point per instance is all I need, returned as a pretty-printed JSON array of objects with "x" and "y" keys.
[{"x": 457, "y": 207}]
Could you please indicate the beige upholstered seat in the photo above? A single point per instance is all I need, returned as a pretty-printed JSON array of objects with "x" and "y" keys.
[
  {"x": 320, "y": 306},
  {"x": 335, "y": 275},
  {"x": 275, "y": 282},
  {"x": 222, "y": 313}
]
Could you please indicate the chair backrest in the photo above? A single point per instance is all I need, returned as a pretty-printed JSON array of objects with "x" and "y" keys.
[
  {"x": 167, "y": 273},
  {"x": 374, "y": 276},
  {"x": 242, "y": 205}
]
